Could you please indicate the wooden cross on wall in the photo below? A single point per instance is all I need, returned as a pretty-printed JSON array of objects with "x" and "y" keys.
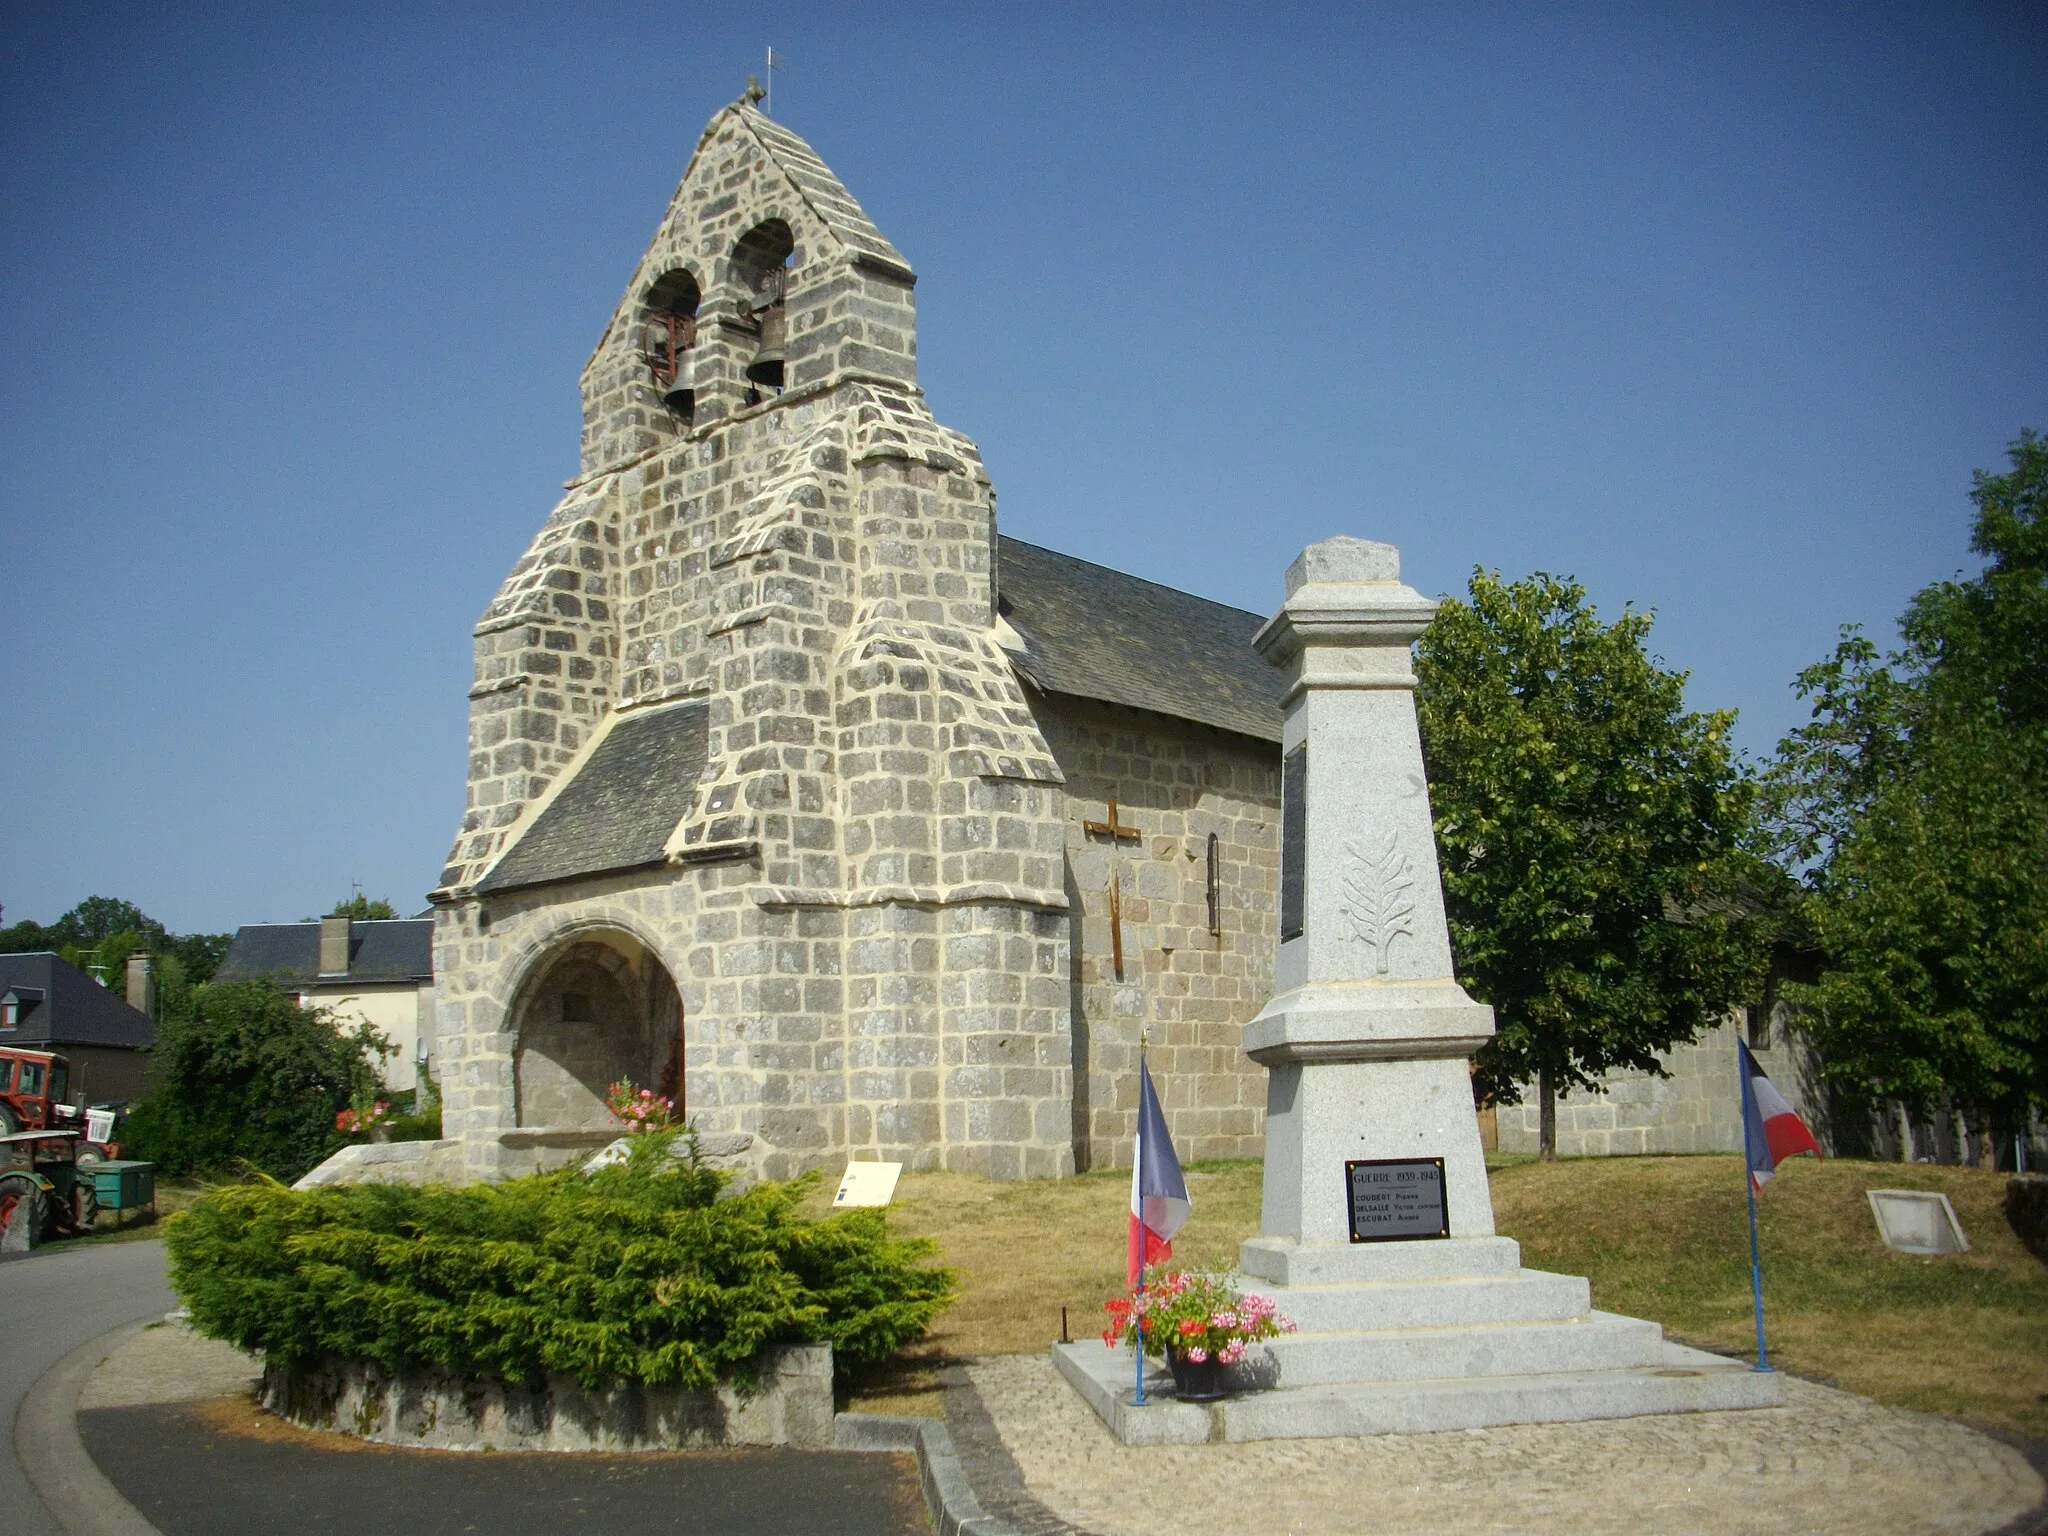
[{"x": 1116, "y": 832}]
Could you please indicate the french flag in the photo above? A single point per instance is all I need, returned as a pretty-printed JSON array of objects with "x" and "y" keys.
[
  {"x": 1771, "y": 1129},
  {"x": 1159, "y": 1195}
]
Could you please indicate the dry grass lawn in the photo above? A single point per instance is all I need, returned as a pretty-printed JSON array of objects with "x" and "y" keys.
[
  {"x": 1667, "y": 1238},
  {"x": 1660, "y": 1237}
]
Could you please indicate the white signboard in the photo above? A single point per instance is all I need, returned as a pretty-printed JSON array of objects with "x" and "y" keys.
[
  {"x": 1917, "y": 1221},
  {"x": 867, "y": 1184}
]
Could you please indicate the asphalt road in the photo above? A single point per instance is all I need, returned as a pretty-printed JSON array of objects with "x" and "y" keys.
[
  {"x": 51, "y": 1302},
  {"x": 194, "y": 1470}
]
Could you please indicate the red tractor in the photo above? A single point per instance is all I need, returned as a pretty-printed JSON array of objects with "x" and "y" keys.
[
  {"x": 34, "y": 1088},
  {"x": 44, "y": 1192}
]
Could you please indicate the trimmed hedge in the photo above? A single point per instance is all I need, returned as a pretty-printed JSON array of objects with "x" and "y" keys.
[
  {"x": 635, "y": 1273},
  {"x": 2026, "y": 1208}
]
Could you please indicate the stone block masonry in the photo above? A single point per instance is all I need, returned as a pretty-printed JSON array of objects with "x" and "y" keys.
[
  {"x": 1192, "y": 989},
  {"x": 1697, "y": 1108}
]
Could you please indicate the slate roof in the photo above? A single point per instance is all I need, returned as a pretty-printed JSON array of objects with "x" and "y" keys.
[
  {"x": 74, "y": 1009},
  {"x": 1095, "y": 633},
  {"x": 380, "y": 950},
  {"x": 619, "y": 809}
]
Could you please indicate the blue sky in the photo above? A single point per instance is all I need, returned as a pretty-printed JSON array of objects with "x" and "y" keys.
[{"x": 1715, "y": 307}]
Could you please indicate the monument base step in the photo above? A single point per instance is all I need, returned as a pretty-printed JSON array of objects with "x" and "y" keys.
[{"x": 1682, "y": 1381}]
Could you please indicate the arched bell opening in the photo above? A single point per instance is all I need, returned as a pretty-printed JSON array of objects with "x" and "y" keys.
[
  {"x": 668, "y": 341},
  {"x": 601, "y": 1009},
  {"x": 761, "y": 263}
]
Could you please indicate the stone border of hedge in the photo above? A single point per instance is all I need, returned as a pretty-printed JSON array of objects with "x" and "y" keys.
[{"x": 789, "y": 1404}]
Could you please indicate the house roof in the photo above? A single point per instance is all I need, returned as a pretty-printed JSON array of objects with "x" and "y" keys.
[
  {"x": 1095, "y": 633},
  {"x": 73, "y": 1010},
  {"x": 382, "y": 950},
  {"x": 618, "y": 810}
]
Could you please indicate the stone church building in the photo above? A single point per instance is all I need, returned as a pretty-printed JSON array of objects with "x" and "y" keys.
[{"x": 798, "y": 791}]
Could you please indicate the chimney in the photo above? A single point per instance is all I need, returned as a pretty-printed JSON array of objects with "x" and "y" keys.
[
  {"x": 334, "y": 937},
  {"x": 142, "y": 983}
]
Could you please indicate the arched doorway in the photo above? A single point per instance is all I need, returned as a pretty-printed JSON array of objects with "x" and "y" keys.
[{"x": 600, "y": 1008}]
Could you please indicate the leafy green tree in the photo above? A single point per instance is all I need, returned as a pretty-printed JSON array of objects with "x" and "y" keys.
[
  {"x": 242, "y": 1074},
  {"x": 29, "y": 937},
  {"x": 201, "y": 953},
  {"x": 1590, "y": 829},
  {"x": 1914, "y": 804},
  {"x": 101, "y": 917},
  {"x": 364, "y": 909}
]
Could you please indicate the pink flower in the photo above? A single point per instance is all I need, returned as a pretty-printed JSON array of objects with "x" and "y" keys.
[
  {"x": 1232, "y": 1352},
  {"x": 1198, "y": 1354}
]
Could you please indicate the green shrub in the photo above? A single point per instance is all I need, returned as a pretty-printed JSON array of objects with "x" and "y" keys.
[
  {"x": 242, "y": 1074},
  {"x": 636, "y": 1273},
  {"x": 418, "y": 1116}
]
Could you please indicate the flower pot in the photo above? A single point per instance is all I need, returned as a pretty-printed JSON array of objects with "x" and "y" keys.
[{"x": 1196, "y": 1381}]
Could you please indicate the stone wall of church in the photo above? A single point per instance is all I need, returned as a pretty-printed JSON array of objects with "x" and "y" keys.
[
  {"x": 1190, "y": 989},
  {"x": 1697, "y": 1108}
]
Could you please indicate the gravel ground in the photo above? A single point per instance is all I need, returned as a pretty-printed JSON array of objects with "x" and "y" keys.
[{"x": 1825, "y": 1462}]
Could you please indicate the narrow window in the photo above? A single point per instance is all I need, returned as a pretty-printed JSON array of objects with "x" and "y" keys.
[{"x": 1215, "y": 887}]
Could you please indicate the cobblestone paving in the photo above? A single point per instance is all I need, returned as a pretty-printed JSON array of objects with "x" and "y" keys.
[{"x": 1826, "y": 1462}]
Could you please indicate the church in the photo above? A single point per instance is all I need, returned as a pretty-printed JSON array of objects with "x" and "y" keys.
[{"x": 800, "y": 793}]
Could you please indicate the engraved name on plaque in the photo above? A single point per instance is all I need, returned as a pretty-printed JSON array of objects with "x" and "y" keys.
[
  {"x": 1395, "y": 1199},
  {"x": 1293, "y": 841}
]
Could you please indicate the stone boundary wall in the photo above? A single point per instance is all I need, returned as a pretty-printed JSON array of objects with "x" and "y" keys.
[
  {"x": 1194, "y": 991},
  {"x": 1697, "y": 1109},
  {"x": 791, "y": 1404}
]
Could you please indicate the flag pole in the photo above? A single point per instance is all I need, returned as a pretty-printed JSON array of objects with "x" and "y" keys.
[
  {"x": 1138, "y": 1157},
  {"x": 1756, "y": 1269}
]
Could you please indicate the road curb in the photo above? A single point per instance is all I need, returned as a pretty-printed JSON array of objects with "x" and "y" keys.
[
  {"x": 948, "y": 1496},
  {"x": 53, "y": 1458}
]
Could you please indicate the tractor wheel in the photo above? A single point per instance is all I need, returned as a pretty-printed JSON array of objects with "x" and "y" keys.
[
  {"x": 85, "y": 1209},
  {"x": 10, "y": 1122},
  {"x": 18, "y": 1190},
  {"x": 90, "y": 1152}
]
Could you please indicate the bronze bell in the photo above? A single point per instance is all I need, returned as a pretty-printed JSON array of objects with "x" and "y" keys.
[
  {"x": 766, "y": 368},
  {"x": 679, "y": 394}
]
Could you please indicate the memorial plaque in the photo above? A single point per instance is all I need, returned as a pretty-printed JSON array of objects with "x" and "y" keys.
[
  {"x": 1396, "y": 1199},
  {"x": 1293, "y": 841}
]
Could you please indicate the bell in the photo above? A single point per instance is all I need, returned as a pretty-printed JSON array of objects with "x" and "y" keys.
[
  {"x": 679, "y": 394},
  {"x": 766, "y": 368}
]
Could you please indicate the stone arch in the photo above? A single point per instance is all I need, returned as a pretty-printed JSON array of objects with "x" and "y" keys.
[
  {"x": 668, "y": 339},
  {"x": 597, "y": 1006},
  {"x": 761, "y": 273}
]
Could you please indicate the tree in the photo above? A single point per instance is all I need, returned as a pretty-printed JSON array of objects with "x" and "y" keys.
[
  {"x": 1914, "y": 806},
  {"x": 1589, "y": 827},
  {"x": 364, "y": 909},
  {"x": 101, "y": 932},
  {"x": 242, "y": 1074}
]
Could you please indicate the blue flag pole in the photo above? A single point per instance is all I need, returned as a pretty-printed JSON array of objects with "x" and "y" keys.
[
  {"x": 1138, "y": 1157},
  {"x": 1756, "y": 1268}
]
